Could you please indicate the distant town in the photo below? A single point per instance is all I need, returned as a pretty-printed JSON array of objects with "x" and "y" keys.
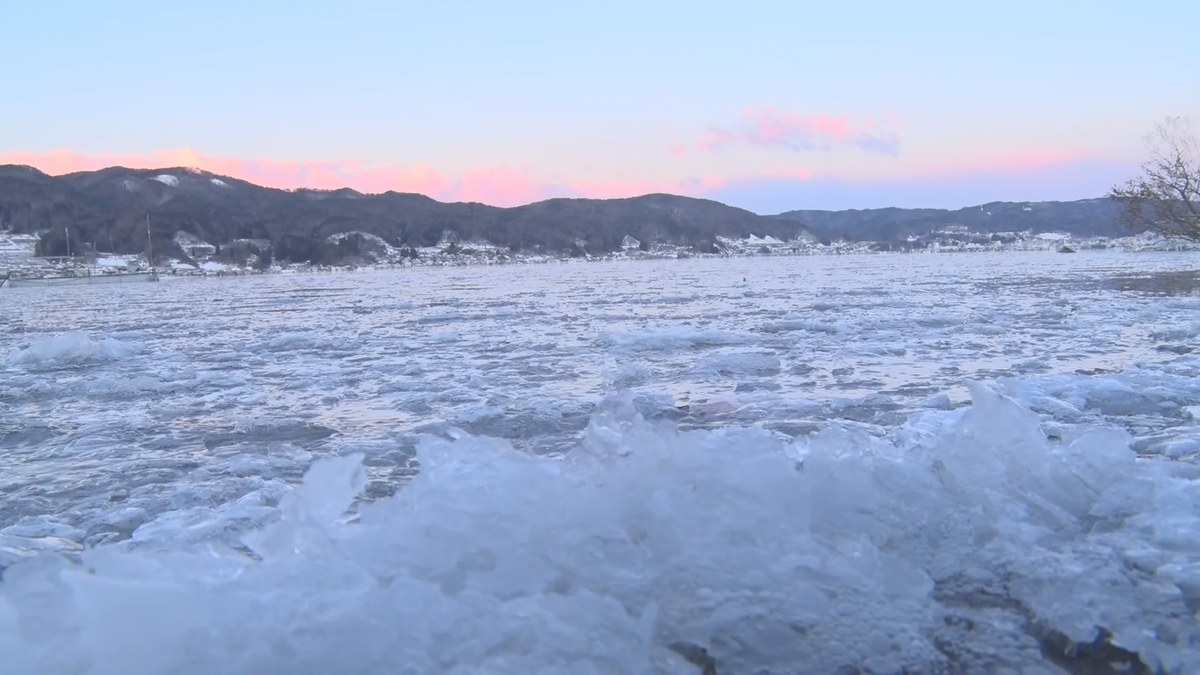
[{"x": 18, "y": 252}]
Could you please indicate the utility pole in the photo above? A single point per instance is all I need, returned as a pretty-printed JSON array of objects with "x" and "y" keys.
[{"x": 149, "y": 244}]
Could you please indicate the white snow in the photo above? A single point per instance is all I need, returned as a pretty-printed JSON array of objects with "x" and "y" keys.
[
  {"x": 167, "y": 179},
  {"x": 373, "y": 240},
  {"x": 218, "y": 182},
  {"x": 111, "y": 261},
  {"x": 753, "y": 240},
  {"x": 189, "y": 241},
  {"x": 260, "y": 243}
]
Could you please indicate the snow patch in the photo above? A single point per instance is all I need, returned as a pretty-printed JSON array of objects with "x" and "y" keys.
[
  {"x": 167, "y": 179},
  {"x": 372, "y": 239},
  {"x": 187, "y": 240}
]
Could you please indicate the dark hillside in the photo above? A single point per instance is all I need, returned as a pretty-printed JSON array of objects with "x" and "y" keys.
[{"x": 106, "y": 210}]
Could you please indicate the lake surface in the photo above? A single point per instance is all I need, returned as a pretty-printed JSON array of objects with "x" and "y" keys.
[{"x": 814, "y": 464}]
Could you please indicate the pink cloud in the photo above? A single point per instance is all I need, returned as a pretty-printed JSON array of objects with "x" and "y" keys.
[
  {"x": 1033, "y": 176},
  {"x": 767, "y": 127},
  {"x": 495, "y": 185},
  {"x": 794, "y": 174},
  {"x": 283, "y": 174},
  {"x": 507, "y": 186},
  {"x": 677, "y": 149},
  {"x": 499, "y": 185}
]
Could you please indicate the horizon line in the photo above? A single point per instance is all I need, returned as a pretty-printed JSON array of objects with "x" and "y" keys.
[{"x": 343, "y": 188}]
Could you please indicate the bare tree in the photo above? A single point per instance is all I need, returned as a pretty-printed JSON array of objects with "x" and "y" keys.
[{"x": 1166, "y": 198}]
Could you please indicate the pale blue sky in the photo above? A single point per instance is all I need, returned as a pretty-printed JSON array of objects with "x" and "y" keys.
[{"x": 1041, "y": 99}]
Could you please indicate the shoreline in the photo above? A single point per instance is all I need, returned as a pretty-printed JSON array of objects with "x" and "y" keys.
[{"x": 481, "y": 256}]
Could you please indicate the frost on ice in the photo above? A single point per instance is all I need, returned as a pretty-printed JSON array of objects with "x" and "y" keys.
[
  {"x": 671, "y": 339},
  {"x": 69, "y": 349},
  {"x": 965, "y": 539}
]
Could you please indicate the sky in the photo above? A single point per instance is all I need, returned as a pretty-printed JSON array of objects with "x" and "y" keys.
[{"x": 766, "y": 105}]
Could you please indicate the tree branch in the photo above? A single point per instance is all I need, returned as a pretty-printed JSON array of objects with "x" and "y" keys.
[{"x": 1166, "y": 198}]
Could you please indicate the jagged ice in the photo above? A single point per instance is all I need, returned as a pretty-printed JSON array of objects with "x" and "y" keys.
[{"x": 788, "y": 555}]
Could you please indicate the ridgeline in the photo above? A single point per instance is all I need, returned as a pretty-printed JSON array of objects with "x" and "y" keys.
[{"x": 105, "y": 211}]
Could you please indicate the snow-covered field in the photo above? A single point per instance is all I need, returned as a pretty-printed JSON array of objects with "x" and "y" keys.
[{"x": 873, "y": 464}]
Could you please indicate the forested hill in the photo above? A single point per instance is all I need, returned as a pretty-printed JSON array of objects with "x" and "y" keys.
[
  {"x": 1085, "y": 218},
  {"x": 106, "y": 210}
]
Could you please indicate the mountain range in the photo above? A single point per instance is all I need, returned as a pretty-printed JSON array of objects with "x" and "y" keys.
[
  {"x": 106, "y": 211},
  {"x": 1084, "y": 218}
]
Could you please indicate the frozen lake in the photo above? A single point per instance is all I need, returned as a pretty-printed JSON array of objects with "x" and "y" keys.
[{"x": 569, "y": 468}]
